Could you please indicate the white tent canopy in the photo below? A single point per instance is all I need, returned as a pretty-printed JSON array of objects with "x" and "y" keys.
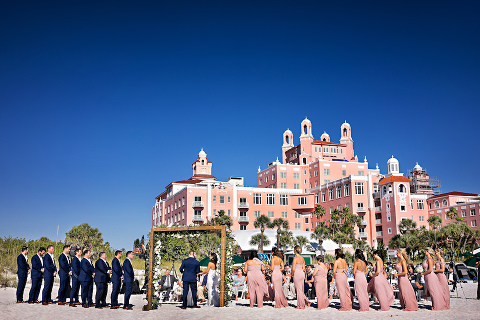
[{"x": 243, "y": 238}]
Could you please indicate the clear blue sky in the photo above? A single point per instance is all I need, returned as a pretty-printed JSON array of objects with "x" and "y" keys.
[{"x": 103, "y": 103}]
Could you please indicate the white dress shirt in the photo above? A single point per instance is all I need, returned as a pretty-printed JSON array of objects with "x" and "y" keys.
[{"x": 41, "y": 258}]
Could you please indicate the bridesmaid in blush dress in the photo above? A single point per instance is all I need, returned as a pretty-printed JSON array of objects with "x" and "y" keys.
[
  {"x": 320, "y": 282},
  {"x": 440, "y": 272},
  {"x": 298, "y": 274},
  {"x": 379, "y": 285},
  {"x": 359, "y": 272},
  {"x": 341, "y": 281},
  {"x": 406, "y": 295},
  {"x": 257, "y": 286},
  {"x": 277, "y": 278},
  {"x": 432, "y": 284}
]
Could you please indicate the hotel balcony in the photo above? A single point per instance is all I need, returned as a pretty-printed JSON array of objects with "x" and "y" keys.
[
  {"x": 361, "y": 209},
  {"x": 379, "y": 233},
  {"x": 197, "y": 204},
  {"x": 197, "y": 218},
  {"x": 362, "y": 235},
  {"x": 378, "y": 209},
  {"x": 378, "y": 221},
  {"x": 243, "y": 219},
  {"x": 376, "y": 194},
  {"x": 243, "y": 206},
  {"x": 363, "y": 223}
]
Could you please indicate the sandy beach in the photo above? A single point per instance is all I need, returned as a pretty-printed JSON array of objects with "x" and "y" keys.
[{"x": 460, "y": 309}]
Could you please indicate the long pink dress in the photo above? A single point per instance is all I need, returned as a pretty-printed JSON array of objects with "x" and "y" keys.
[
  {"x": 277, "y": 279},
  {"x": 444, "y": 282},
  {"x": 341, "y": 281},
  {"x": 257, "y": 286},
  {"x": 361, "y": 289},
  {"x": 407, "y": 297},
  {"x": 434, "y": 289},
  {"x": 382, "y": 290},
  {"x": 320, "y": 281},
  {"x": 299, "y": 282}
]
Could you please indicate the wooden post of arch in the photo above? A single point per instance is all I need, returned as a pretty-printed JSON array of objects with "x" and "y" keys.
[{"x": 153, "y": 231}]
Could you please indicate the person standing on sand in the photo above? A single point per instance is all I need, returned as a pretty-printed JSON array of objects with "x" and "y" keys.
[
  {"x": 37, "y": 275},
  {"x": 190, "y": 268},
  {"x": 117, "y": 275},
  {"x": 75, "y": 268},
  {"x": 128, "y": 278},
  {"x": 87, "y": 272},
  {"x": 49, "y": 273},
  {"x": 22, "y": 273},
  {"x": 64, "y": 272}
]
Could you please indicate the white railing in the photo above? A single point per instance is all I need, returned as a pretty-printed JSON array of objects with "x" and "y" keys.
[
  {"x": 376, "y": 194},
  {"x": 378, "y": 221},
  {"x": 243, "y": 205},
  {"x": 243, "y": 219},
  {"x": 361, "y": 209},
  {"x": 364, "y": 222},
  {"x": 197, "y": 204},
  {"x": 379, "y": 233},
  {"x": 197, "y": 218},
  {"x": 362, "y": 234},
  {"x": 379, "y": 208}
]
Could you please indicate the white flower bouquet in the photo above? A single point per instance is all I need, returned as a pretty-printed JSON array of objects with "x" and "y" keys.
[{"x": 419, "y": 269}]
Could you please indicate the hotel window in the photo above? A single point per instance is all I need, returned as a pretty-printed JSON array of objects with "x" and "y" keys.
[
  {"x": 402, "y": 188},
  {"x": 222, "y": 199},
  {"x": 271, "y": 198},
  {"x": 297, "y": 225},
  {"x": 339, "y": 191},
  {"x": 445, "y": 202},
  {"x": 304, "y": 172},
  {"x": 316, "y": 198},
  {"x": 324, "y": 196},
  {"x": 389, "y": 230},
  {"x": 315, "y": 173},
  {"x": 284, "y": 215},
  {"x": 464, "y": 213},
  {"x": 403, "y": 208},
  {"x": 283, "y": 185},
  {"x": 360, "y": 205},
  {"x": 316, "y": 149},
  {"x": 229, "y": 212},
  {"x": 304, "y": 190},
  {"x": 283, "y": 175},
  {"x": 273, "y": 176},
  {"x": 297, "y": 215},
  {"x": 306, "y": 220},
  {"x": 214, "y": 212},
  {"x": 474, "y": 223},
  {"x": 257, "y": 198},
  {"x": 316, "y": 183},
  {"x": 175, "y": 206},
  {"x": 446, "y": 217},
  {"x": 305, "y": 181},
  {"x": 302, "y": 201},
  {"x": 331, "y": 150},
  {"x": 198, "y": 213},
  {"x": 284, "y": 199},
  {"x": 228, "y": 199},
  {"x": 296, "y": 175},
  {"x": 330, "y": 194},
  {"x": 347, "y": 189},
  {"x": 339, "y": 207},
  {"x": 326, "y": 172},
  {"x": 260, "y": 182},
  {"x": 347, "y": 205},
  {"x": 420, "y": 205},
  {"x": 344, "y": 173},
  {"x": 472, "y": 212},
  {"x": 326, "y": 181},
  {"x": 389, "y": 218},
  {"x": 243, "y": 201},
  {"x": 179, "y": 203},
  {"x": 421, "y": 218},
  {"x": 359, "y": 188},
  {"x": 214, "y": 198},
  {"x": 436, "y": 204},
  {"x": 341, "y": 151},
  {"x": 270, "y": 214},
  {"x": 361, "y": 173},
  {"x": 411, "y": 204},
  {"x": 266, "y": 179},
  {"x": 256, "y": 214},
  {"x": 296, "y": 186},
  {"x": 183, "y": 201}
]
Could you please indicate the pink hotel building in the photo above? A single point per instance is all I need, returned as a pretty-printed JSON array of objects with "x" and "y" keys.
[{"x": 311, "y": 173}]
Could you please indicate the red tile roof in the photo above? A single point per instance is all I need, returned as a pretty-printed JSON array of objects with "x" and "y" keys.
[
  {"x": 326, "y": 142},
  {"x": 454, "y": 193},
  {"x": 394, "y": 179}
]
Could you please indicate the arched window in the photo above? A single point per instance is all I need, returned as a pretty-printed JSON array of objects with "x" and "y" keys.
[
  {"x": 436, "y": 204},
  {"x": 304, "y": 160},
  {"x": 324, "y": 139},
  {"x": 445, "y": 203},
  {"x": 384, "y": 189},
  {"x": 287, "y": 139},
  {"x": 203, "y": 162},
  {"x": 401, "y": 188},
  {"x": 344, "y": 132},
  {"x": 389, "y": 188},
  {"x": 305, "y": 129}
]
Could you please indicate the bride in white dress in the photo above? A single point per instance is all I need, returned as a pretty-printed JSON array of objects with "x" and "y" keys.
[{"x": 212, "y": 282}]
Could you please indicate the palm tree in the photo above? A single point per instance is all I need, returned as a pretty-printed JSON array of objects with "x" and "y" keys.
[
  {"x": 319, "y": 212},
  {"x": 261, "y": 222},
  {"x": 286, "y": 238},
  {"x": 434, "y": 222},
  {"x": 320, "y": 233},
  {"x": 280, "y": 224},
  {"x": 407, "y": 226},
  {"x": 301, "y": 241},
  {"x": 260, "y": 240}
]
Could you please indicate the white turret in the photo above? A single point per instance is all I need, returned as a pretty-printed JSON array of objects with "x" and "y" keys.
[{"x": 393, "y": 166}]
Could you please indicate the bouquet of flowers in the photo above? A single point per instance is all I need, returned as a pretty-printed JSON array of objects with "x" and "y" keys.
[
  {"x": 370, "y": 269},
  {"x": 419, "y": 269},
  {"x": 392, "y": 271}
]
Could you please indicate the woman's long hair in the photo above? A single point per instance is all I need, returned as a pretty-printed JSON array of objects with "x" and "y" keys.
[
  {"x": 432, "y": 254},
  {"x": 253, "y": 255},
  {"x": 360, "y": 256},
  {"x": 379, "y": 253},
  {"x": 339, "y": 254},
  {"x": 404, "y": 254},
  {"x": 213, "y": 258}
]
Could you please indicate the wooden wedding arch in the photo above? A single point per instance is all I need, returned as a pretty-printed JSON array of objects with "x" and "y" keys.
[{"x": 153, "y": 231}]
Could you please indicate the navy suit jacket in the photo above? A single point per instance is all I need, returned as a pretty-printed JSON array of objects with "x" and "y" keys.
[
  {"x": 75, "y": 266},
  {"x": 128, "y": 274},
  {"x": 36, "y": 267},
  {"x": 117, "y": 272},
  {"x": 23, "y": 266},
  {"x": 86, "y": 271},
  {"x": 64, "y": 266},
  {"x": 101, "y": 271},
  {"x": 189, "y": 269},
  {"x": 48, "y": 266}
]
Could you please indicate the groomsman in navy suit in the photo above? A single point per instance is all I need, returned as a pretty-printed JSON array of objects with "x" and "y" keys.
[
  {"x": 64, "y": 272},
  {"x": 37, "y": 275},
  {"x": 102, "y": 278},
  {"x": 50, "y": 271},
  {"x": 128, "y": 278},
  {"x": 87, "y": 272},
  {"x": 75, "y": 268},
  {"x": 117, "y": 275},
  {"x": 190, "y": 268},
  {"x": 22, "y": 273}
]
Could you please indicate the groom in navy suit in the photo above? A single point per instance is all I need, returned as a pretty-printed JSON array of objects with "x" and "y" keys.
[
  {"x": 87, "y": 272},
  {"x": 128, "y": 278},
  {"x": 49, "y": 273},
  {"x": 37, "y": 275},
  {"x": 117, "y": 275},
  {"x": 75, "y": 267},
  {"x": 64, "y": 271},
  {"x": 190, "y": 268},
  {"x": 22, "y": 273},
  {"x": 102, "y": 278}
]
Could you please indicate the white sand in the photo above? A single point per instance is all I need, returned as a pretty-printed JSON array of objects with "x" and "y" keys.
[{"x": 460, "y": 309}]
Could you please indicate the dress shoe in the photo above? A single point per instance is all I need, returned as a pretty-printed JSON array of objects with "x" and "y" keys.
[
  {"x": 45, "y": 303},
  {"x": 184, "y": 308},
  {"x": 98, "y": 308},
  {"x": 196, "y": 307},
  {"x": 114, "y": 307},
  {"x": 31, "y": 302},
  {"x": 72, "y": 305},
  {"x": 19, "y": 301},
  {"x": 77, "y": 303},
  {"x": 51, "y": 302},
  {"x": 37, "y": 301},
  {"x": 85, "y": 306},
  {"x": 60, "y": 303},
  {"x": 127, "y": 308}
]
